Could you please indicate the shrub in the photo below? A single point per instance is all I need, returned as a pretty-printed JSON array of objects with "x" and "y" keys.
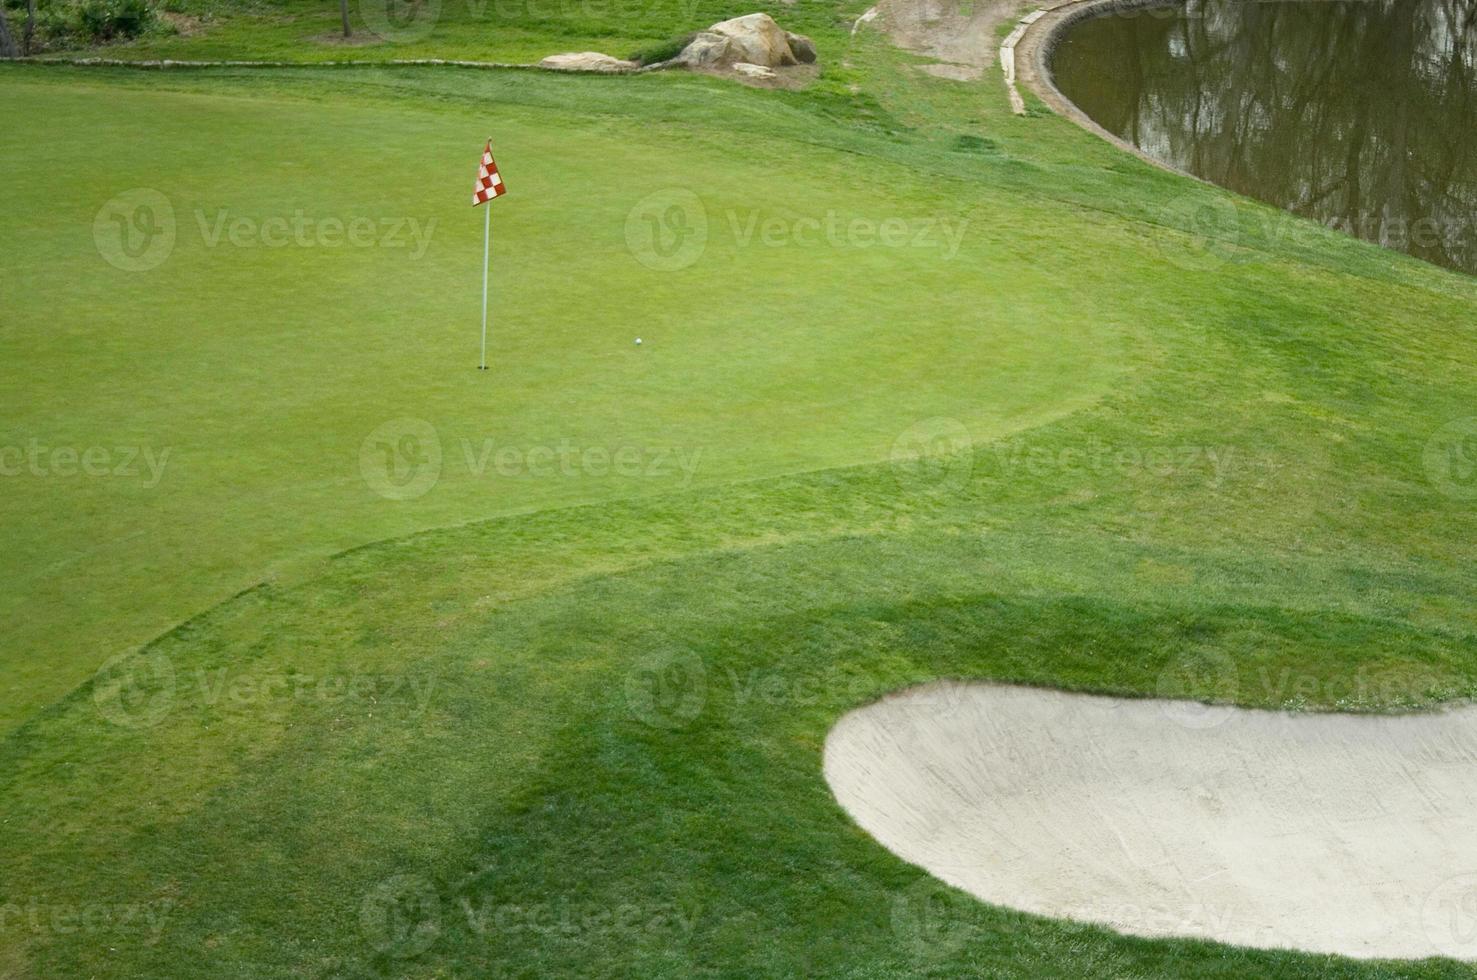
[
  {"x": 662, "y": 50},
  {"x": 107, "y": 20}
]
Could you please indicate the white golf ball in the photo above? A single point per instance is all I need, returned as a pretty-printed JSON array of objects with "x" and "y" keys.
[{"x": 638, "y": 340}]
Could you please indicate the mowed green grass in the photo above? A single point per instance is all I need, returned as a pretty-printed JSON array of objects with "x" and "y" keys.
[
  {"x": 573, "y": 726},
  {"x": 261, "y": 368}
]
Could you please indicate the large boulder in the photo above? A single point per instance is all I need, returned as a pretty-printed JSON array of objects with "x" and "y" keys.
[
  {"x": 708, "y": 50},
  {"x": 757, "y": 40},
  {"x": 754, "y": 39},
  {"x": 586, "y": 61}
]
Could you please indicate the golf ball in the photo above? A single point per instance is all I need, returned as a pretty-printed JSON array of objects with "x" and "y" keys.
[{"x": 638, "y": 340}]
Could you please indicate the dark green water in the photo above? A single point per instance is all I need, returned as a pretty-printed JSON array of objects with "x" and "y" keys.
[{"x": 1360, "y": 114}]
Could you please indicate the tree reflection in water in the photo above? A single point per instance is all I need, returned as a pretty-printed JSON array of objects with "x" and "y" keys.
[{"x": 1361, "y": 114}]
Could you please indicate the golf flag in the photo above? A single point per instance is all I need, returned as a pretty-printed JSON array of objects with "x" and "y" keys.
[
  {"x": 489, "y": 185},
  {"x": 489, "y": 181}
]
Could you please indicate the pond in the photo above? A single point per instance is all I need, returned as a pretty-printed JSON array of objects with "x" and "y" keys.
[{"x": 1360, "y": 114}]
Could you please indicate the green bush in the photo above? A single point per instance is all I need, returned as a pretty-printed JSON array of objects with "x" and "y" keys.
[
  {"x": 662, "y": 50},
  {"x": 53, "y": 24},
  {"x": 107, "y": 20}
]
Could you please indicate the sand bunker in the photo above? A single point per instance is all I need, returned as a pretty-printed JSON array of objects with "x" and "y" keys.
[{"x": 1332, "y": 833}]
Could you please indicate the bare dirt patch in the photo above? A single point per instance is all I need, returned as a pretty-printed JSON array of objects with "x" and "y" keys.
[
  {"x": 184, "y": 25},
  {"x": 961, "y": 36},
  {"x": 789, "y": 77}
]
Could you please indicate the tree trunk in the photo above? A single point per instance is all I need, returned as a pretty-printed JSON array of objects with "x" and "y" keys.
[
  {"x": 7, "y": 43},
  {"x": 343, "y": 9},
  {"x": 29, "y": 34}
]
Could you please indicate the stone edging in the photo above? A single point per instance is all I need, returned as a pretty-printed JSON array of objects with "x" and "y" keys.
[
  {"x": 170, "y": 63},
  {"x": 1007, "y": 59},
  {"x": 1038, "y": 42}
]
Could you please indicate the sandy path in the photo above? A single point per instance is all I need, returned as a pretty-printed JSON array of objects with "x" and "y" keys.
[
  {"x": 961, "y": 35},
  {"x": 1332, "y": 833}
]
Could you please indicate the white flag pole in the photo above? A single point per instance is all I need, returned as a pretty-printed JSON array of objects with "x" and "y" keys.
[{"x": 486, "y": 246}]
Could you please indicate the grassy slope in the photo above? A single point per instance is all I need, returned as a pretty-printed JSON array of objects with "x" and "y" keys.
[
  {"x": 517, "y": 31},
  {"x": 317, "y": 347},
  {"x": 1323, "y": 563}
]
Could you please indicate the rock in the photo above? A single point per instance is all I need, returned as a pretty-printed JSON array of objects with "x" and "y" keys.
[
  {"x": 586, "y": 61},
  {"x": 707, "y": 50},
  {"x": 756, "y": 39},
  {"x": 802, "y": 47},
  {"x": 754, "y": 71}
]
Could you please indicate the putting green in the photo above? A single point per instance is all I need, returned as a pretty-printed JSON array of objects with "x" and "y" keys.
[
  {"x": 272, "y": 373},
  {"x": 299, "y": 708}
]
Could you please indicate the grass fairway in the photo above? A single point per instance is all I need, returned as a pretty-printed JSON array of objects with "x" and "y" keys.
[{"x": 363, "y": 714}]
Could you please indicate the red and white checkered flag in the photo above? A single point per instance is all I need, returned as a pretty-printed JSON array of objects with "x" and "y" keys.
[{"x": 489, "y": 181}]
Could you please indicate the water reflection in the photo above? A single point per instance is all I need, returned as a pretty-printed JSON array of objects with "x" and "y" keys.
[{"x": 1361, "y": 114}]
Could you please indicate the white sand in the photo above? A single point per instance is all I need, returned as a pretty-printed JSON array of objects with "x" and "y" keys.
[{"x": 1333, "y": 833}]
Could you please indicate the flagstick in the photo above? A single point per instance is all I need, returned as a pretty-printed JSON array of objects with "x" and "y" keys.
[{"x": 486, "y": 246}]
